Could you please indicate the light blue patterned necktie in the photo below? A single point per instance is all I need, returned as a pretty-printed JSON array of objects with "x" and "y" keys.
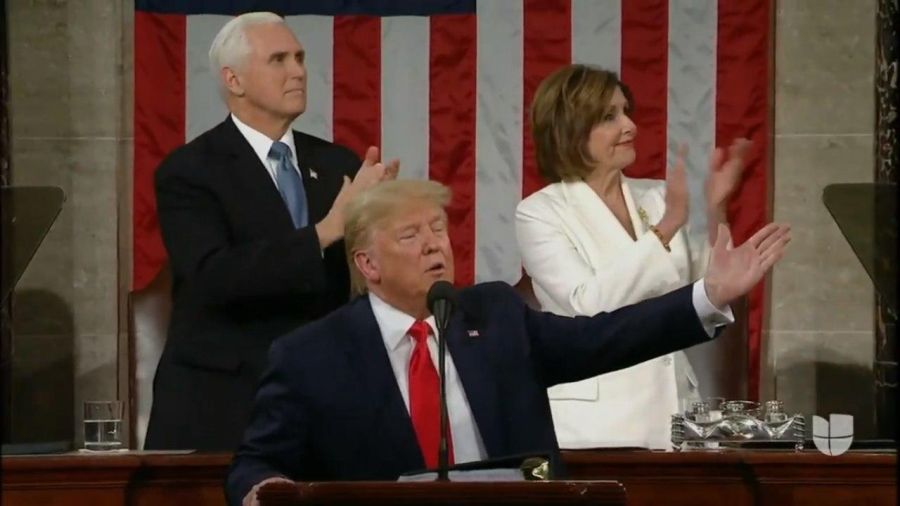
[{"x": 290, "y": 185}]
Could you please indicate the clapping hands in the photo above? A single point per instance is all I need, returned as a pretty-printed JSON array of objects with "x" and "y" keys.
[
  {"x": 677, "y": 198},
  {"x": 733, "y": 272},
  {"x": 725, "y": 173},
  {"x": 371, "y": 172}
]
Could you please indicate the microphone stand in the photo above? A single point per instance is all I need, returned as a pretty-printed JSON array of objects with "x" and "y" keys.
[{"x": 442, "y": 368}]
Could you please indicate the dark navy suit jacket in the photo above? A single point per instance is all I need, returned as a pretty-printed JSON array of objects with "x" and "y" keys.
[
  {"x": 329, "y": 407},
  {"x": 242, "y": 276}
]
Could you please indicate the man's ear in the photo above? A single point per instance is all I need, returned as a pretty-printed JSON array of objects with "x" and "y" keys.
[
  {"x": 232, "y": 82},
  {"x": 367, "y": 266}
]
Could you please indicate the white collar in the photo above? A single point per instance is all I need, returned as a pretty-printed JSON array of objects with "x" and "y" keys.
[
  {"x": 260, "y": 142},
  {"x": 393, "y": 323}
]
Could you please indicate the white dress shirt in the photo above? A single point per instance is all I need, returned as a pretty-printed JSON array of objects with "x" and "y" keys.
[
  {"x": 394, "y": 325},
  {"x": 467, "y": 444},
  {"x": 262, "y": 144},
  {"x": 711, "y": 317}
]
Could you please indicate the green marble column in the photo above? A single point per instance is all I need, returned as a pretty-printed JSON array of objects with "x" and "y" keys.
[
  {"x": 887, "y": 162},
  {"x": 5, "y": 334}
]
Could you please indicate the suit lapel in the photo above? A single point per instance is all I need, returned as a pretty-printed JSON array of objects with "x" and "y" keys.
[
  {"x": 477, "y": 377},
  {"x": 318, "y": 201},
  {"x": 390, "y": 419},
  {"x": 600, "y": 230},
  {"x": 633, "y": 201},
  {"x": 252, "y": 177}
]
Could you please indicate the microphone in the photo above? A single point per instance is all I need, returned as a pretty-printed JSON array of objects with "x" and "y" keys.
[{"x": 441, "y": 300}]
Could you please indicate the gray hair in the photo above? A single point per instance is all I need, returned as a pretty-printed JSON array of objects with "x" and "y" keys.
[{"x": 230, "y": 46}]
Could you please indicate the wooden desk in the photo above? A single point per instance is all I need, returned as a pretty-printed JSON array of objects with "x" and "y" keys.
[
  {"x": 744, "y": 477},
  {"x": 380, "y": 493},
  {"x": 134, "y": 479},
  {"x": 736, "y": 478}
]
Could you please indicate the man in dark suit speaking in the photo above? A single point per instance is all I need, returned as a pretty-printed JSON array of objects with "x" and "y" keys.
[
  {"x": 251, "y": 214},
  {"x": 354, "y": 396}
]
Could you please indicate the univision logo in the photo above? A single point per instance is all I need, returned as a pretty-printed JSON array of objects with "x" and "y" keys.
[{"x": 833, "y": 436}]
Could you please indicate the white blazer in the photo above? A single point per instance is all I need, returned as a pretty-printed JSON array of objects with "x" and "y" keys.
[{"x": 582, "y": 262}]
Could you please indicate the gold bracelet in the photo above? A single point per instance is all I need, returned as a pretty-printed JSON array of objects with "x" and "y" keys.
[{"x": 660, "y": 237}]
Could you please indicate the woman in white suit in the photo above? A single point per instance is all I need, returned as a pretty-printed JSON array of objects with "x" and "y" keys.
[{"x": 594, "y": 240}]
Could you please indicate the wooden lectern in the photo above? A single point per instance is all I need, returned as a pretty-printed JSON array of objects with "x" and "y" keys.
[{"x": 376, "y": 493}]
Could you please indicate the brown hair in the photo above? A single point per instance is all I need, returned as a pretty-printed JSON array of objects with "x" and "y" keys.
[
  {"x": 372, "y": 207},
  {"x": 567, "y": 105}
]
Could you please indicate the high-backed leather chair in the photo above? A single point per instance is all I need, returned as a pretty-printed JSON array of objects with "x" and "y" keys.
[{"x": 150, "y": 310}]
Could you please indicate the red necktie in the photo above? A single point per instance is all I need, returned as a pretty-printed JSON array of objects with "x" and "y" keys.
[{"x": 424, "y": 397}]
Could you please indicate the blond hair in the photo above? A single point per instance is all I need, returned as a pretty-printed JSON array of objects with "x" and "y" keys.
[
  {"x": 566, "y": 106},
  {"x": 371, "y": 208}
]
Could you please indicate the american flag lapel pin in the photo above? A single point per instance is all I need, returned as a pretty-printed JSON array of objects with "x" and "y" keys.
[{"x": 473, "y": 333}]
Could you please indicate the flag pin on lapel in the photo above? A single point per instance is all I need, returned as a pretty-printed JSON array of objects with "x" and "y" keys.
[{"x": 473, "y": 333}]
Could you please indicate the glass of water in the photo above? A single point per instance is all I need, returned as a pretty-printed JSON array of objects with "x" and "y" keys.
[{"x": 103, "y": 425}]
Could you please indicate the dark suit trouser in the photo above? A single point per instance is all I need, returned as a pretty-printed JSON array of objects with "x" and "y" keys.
[{"x": 194, "y": 396}]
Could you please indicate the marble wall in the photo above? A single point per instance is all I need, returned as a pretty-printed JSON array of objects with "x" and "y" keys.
[
  {"x": 70, "y": 122},
  {"x": 887, "y": 163},
  {"x": 70, "y": 106},
  {"x": 820, "y": 339}
]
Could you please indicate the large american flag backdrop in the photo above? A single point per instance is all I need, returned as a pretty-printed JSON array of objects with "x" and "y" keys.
[{"x": 444, "y": 85}]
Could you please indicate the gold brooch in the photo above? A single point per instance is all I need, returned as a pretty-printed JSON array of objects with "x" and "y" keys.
[{"x": 642, "y": 214}]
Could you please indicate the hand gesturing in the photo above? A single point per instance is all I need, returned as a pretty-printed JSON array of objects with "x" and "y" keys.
[
  {"x": 725, "y": 175},
  {"x": 732, "y": 272}
]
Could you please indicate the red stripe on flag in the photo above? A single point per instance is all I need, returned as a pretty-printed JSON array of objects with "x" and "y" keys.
[
  {"x": 159, "y": 110},
  {"x": 742, "y": 110},
  {"x": 451, "y": 142},
  {"x": 645, "y": 39},
  {"x": 357, "y": 82},
  {"x": 546, "y": 46}
]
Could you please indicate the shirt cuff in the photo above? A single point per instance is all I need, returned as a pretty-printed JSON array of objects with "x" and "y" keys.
[{"x": 710, "y": 316}]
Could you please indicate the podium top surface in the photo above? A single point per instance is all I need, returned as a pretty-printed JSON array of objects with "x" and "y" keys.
[{"x": 593, "y": 492}]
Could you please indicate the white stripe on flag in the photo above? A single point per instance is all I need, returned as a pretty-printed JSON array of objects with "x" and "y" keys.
[
  {"x": 597, "y": 33},
  {"x": 691, "y": 96},
  {"x": 315, "y": 34},
  {"x": 205, "y": 107},
  {"x": 498, "y": 144},
  {"x": 404, "y": 93}
]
